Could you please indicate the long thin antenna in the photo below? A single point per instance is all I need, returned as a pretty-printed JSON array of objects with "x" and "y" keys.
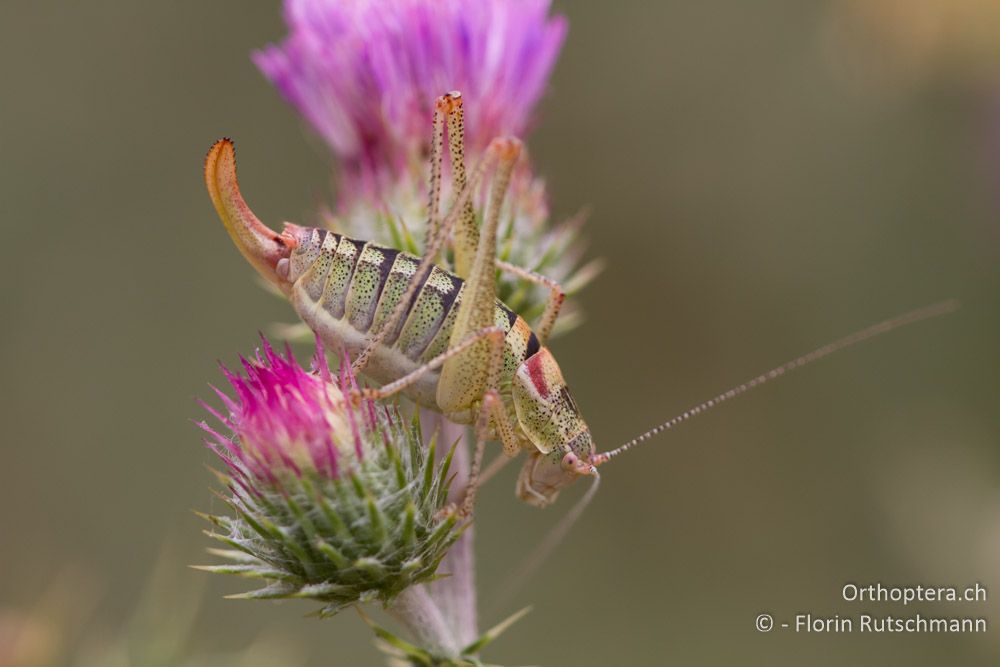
[{"x": 924, "y": 313}]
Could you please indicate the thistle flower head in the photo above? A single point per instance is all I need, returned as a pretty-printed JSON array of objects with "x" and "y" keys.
[
  {"x": 286, "y": 420},
  {"x": 332, "y": 499},
  {"x": 365, "y": 73}
]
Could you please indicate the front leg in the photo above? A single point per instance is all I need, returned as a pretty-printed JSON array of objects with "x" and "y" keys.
[{"x": 492, "y": 410}]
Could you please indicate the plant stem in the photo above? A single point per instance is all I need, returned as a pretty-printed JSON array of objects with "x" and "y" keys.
[
  {"x": 415, "y": 609},
  {"x": 456, "y": 593},
  {"x": 453, "y": 597}
]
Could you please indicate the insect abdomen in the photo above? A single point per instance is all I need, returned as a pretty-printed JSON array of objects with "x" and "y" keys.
[{"x": 345, "y": 290}]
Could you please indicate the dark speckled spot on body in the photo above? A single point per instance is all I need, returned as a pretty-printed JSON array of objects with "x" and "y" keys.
[
  {"x": 430, "y": 309},
  {"x": 314, "y": 279},
  {"x": 511, "y": 315},
  {"x": 367, "y": 283},
  {"x": 533, "y": 346},
  {"x": 393, "y": 288},
  {"x": 345, "y": 258}
]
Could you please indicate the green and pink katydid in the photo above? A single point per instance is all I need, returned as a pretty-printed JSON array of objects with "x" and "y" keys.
[{"x": 443, "y": 339}]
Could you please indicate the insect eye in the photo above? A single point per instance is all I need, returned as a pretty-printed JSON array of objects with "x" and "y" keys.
[{"x": 569, "y": 461}]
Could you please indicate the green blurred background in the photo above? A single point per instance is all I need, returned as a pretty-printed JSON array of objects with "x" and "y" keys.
[{"x": 762, "y": 178}]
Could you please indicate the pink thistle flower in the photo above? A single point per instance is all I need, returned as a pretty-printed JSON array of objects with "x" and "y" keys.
[
  {"x": 284, "y": 418},
  {"x": 365, "y": 73}
]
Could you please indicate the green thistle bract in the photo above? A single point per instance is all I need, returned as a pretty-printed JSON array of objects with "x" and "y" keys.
[{"x": 332, "y": 499}]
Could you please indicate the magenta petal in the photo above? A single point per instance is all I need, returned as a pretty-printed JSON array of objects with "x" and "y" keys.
[
  {"x": 365, "y": 73},
  {"x": 283, "y": 416}
]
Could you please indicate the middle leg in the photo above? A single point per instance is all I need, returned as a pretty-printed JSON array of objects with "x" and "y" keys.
[
  {"x": 466, "y": 378},
  {"x": 552, "y": 306}
]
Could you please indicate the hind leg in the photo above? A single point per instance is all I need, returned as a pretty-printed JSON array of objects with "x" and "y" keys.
[
  {"x": 467, "y": 377},
  {"x": 552, "y": 306},
  {"x": 495, "y": 153}
]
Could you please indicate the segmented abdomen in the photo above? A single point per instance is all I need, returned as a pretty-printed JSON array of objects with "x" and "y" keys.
[{"x": 345, "y": 289}]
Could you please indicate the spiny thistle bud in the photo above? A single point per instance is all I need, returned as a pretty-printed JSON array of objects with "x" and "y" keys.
[{"x": 333, "y": 499}]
